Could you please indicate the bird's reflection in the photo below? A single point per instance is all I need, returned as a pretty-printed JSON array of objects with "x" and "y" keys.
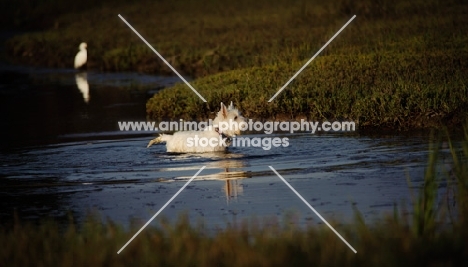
[{"x": 81, "y": 79}]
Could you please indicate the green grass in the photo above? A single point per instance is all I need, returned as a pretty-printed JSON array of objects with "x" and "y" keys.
[
  {"x": 434, "y": 235},
  {"x": 399, "y": 64},
  {"x": 206, "y": 37},
  {"x": 411, "y": 92}
]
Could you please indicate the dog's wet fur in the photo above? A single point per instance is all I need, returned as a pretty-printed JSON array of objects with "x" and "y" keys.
[{"x": 179, "y": 141}]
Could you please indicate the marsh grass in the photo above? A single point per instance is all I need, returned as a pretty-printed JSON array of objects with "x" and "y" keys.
[
  {"x": 428, "y": 237},
  {"x": 400, "y": 64},
  {"x": 207, "y": 37},
  {"x": 391, "y": 90}
]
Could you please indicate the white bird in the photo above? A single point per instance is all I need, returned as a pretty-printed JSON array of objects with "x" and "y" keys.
[{"x": 81, "y": 57}]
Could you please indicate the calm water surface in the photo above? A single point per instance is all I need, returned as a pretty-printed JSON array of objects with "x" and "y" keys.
[{"x": 62, "y": 153}]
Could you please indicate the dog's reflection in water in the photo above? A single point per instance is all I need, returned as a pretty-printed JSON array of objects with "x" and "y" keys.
[
  {"x": 227, "y": 167},
  {"x": 232, "y": 188},
  {"x": 231, "y": 171}
]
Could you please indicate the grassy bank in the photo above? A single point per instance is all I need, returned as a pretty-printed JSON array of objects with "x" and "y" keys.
[
  {"x": 399, "y": 64},
  {"x": 374, "y": 90},
  {"x": 434, "y": 235},
  {"x": 402, "y": 69}
]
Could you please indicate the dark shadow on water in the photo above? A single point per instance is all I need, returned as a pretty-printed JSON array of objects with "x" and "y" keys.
[{"x": 39, "y": 105}]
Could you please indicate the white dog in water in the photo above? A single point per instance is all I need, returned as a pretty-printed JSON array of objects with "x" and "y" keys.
[{"x": 212, "y": 139}]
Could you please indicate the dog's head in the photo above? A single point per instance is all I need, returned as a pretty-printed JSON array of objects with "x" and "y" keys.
[{"x": 227, "y": 121}]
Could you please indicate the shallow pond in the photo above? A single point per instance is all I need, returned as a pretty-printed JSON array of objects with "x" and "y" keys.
[{"x": 62, "y": 153}]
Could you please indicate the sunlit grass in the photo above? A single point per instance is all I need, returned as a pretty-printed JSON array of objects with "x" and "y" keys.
[
  {"x": 399, "y": 64},
  {"x": 375, "y": 90}
]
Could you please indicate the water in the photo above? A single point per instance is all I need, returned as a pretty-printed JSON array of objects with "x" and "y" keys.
[{"x": 62, "y": 154}]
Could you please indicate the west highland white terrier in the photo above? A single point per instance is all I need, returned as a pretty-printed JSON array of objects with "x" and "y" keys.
[{"x": 213, "y": 138}]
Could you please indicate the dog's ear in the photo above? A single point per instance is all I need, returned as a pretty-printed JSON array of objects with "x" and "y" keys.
[
  {"x": 231, "y": 106},
  {"x": 223, "y": 111}
]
